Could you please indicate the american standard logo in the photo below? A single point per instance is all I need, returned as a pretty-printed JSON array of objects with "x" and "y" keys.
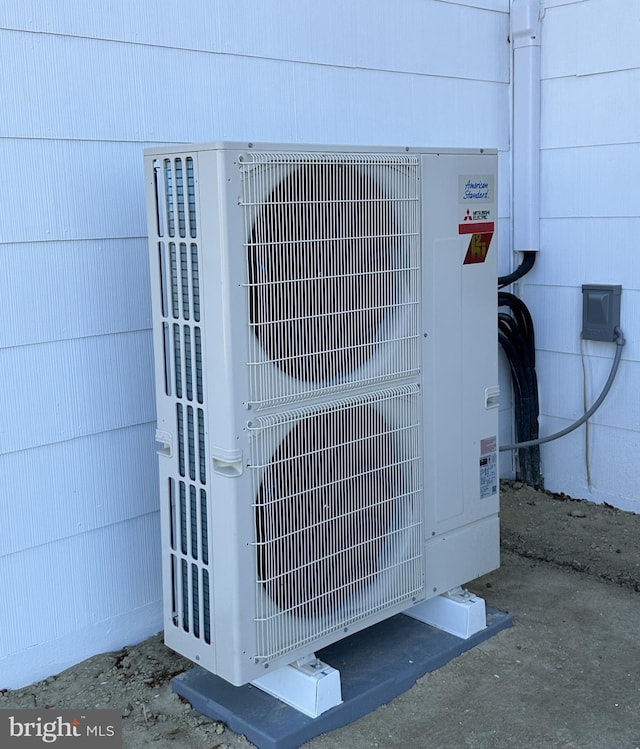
[{"x": 82, "y": 729}]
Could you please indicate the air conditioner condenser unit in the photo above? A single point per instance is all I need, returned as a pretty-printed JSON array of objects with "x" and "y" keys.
[{"x": 324, "y": 324}]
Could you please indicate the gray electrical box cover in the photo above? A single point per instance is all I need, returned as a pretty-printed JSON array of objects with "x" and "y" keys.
[{"x": 600, "y": 311}]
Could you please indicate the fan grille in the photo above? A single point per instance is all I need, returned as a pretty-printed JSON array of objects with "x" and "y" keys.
[
  {"x": 323, "y": 509},
  {"x": 337, "y": 514},
  {"x": 332, "y": 268},
  {"x": 319, "y": 260}
]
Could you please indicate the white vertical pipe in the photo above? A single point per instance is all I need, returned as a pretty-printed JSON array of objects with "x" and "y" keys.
[{"x": 525, "y": 38}]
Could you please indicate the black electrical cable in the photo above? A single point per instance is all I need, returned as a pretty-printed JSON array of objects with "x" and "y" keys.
[
  {"x": 523, "y": 333},
  {"x": 516, "y": 337},
  {"x": 524, "y": 384},
  {"x": 520, "y": 405},
  {"x": 620, "y": 342},
  {"x": 528, "y": 260},
  {"x": 523, "y": 318}
]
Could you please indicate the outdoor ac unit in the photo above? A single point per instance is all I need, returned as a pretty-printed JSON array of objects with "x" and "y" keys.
[{"x": 324, "y": 326}]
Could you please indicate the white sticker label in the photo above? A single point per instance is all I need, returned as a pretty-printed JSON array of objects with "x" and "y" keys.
[
  {"x": 488, "y": 467},
  {"x": 476, "y": 188}
]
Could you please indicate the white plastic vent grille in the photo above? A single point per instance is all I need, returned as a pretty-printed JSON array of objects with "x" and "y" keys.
[
  {"x": 338, "y": 513},
  {"x": 189, "y": 540},
  {"x": 333, "y": 266},
  {"x": 180, "y": 293}
]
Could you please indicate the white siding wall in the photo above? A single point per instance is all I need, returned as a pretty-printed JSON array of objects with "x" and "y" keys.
[
  {"x": 83, "y": 88},
  {"x": 589, "y": 234}
]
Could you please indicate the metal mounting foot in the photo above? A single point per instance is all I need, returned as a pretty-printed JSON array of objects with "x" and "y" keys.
[
  {"x": 308, "y": 685},
  {"x": 458, "y": 612}
]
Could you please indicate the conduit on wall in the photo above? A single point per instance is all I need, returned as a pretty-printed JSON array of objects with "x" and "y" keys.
[
  {"x": 515, "y": 326},
  {"x": 525, "y": 150}
]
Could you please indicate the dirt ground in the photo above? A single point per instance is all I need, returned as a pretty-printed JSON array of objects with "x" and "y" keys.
[
  {"x": 595, "y": 539},
  {"x": 567, "y": 541}
]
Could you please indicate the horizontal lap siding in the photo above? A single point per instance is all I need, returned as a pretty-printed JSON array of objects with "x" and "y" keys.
[
  {"x": 70, "y": 190},
  {"x": 160, "y": 94},
  {"x": 567, "y": 402},
  {"x": 79, "y": 486},
  {"x": 420, "y": 36},
  {"x": 590, "y": 37},
  {"x": 591, "y": 110},
  {"x": 568, "y": 460},
  {"x": 590, "y": 162},
  {"x": 569, "y": 262},
  {"x": 62, "y": 593},
  {"x": 65, "y": 389},
  {"x": 95, "y": 562},
  {"x": 591, "y": 182},
  {"x": 83, "y": 92},
  {"x": 52, "y": 291}
]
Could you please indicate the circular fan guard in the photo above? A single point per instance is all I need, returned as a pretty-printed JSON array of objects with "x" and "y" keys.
[
  {"x": 323, "y": 509},
  {"x": 319, "y": 258}
]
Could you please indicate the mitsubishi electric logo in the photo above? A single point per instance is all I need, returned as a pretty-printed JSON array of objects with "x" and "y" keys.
[{"x": 82, "y": 729}]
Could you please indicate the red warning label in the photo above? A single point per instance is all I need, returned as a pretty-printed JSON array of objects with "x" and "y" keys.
[
  {"x": 476, "y": 227},
  {"x": 481, "y": 235}
]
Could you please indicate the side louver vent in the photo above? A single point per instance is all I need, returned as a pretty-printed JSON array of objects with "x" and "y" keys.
[{"x": 178, "y": 265}]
